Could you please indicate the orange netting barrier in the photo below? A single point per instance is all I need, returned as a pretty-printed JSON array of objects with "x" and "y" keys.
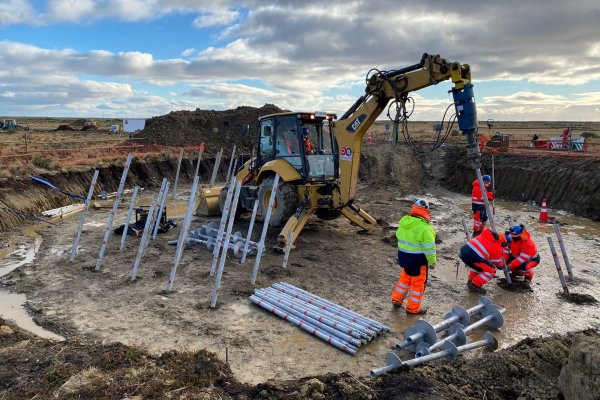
[{"x": 91, "y": 155}]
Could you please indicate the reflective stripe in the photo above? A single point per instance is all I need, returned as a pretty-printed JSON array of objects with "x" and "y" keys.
[
  {"x": 480, "y": 246},
  {"x": 475, "y": 250},
  {"x": 496, "y": 260},
  {"x": 519, "y": 259},
  {"x": 414, "y": 300},
  {"x": 400, "y": 290},
  {"x": 524, "y": 256},
  {"x": 415, "y": 293},
  {"x": 403, "y": 285}
]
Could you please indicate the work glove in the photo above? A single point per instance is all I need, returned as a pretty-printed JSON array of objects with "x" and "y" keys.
[{"x": 432, "y": 267}]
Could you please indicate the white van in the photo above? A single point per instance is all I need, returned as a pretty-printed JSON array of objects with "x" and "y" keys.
[{"x": 114, "y": 129}]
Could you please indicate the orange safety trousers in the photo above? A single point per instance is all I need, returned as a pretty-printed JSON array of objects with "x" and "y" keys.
[
  {"x": 483, "y": 275},
  {"x": 413, "y": 287}
]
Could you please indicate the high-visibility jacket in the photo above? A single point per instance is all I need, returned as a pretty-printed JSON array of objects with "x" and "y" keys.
[
  {"x": 476, "y": 196},
  {"x": 522, "y": 250},
  {"x": 487, "y": 247},
  {"x": 416, "y": 243}
]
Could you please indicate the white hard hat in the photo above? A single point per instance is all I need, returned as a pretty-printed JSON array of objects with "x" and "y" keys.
[{"x": 422, "y": 203}]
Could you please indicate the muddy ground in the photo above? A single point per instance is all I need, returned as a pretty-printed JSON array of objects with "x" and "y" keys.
[{"x": 334, "y": 260}]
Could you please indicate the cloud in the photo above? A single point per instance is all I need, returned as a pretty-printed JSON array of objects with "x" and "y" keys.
[{"x": 218, "y": 18}]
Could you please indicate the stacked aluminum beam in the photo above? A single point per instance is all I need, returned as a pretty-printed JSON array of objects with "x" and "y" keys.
[{"x": 345, "y": 329}]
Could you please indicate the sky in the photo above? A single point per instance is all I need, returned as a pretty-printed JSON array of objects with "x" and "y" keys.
[{"x": 530, "y": 60}]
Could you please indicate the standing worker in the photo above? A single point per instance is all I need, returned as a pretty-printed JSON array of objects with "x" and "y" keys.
[
  {"x": 480, "y": 216},
  {"x": 523, "y": 256},
  {"x": 483, "y": 254},
  {"x": 416, "y": 255}
]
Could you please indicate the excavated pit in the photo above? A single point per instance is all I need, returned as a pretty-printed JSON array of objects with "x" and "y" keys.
[{"x": 271, "y": 358}]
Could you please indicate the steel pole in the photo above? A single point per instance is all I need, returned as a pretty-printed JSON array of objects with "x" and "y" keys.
[
  {"x": 288, "y": 248},
  {"x": 141, "y": 248},
  {"x": 199, "y": 160},
  {"x": 563, "y": 249},
  {"x": 129, "y": 212},
  {"x": 563, "y": 282},
  {"x": 113, "y": 213},
  {"x": 183, "y": 234},
  {"x": 163, "y": 205},
  {"x": 230, "y": 164},
  {"x": 374, "y": 325},
  {"x": 222, "y": 224},
  {"x": 86, "y": 207},
  {"x": 491, "y": 218},
  {"x": 346, "y": 347},
  {"x": 215, "y": 293},
  {"x": 249, "y": 234},
  {"x": 261, "y": 243},
  {"x": 177, "y": 174},
  {"x": 213, "y": 177}
]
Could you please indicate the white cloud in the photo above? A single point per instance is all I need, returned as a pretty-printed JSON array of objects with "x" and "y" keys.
[
  {"x": 16, "y": 12},
  {"x": 217, "y": 18},
  {"x": 188, "y": 52}
]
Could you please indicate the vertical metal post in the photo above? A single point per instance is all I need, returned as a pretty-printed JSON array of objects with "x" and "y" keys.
[
  {"x": 129, "y": 212},
  {"x": 111, "y": 218},
  {"x": 490, "y": 217},
  {"x": 563, "y": 249},
  {"x": 215, "y": 293},
  {"x": 163, "y": 205},
  {"x": 159, "y": 200},
  {"x": 230, "y": 164},
  {"x": 185, "y": 226},
  {"x": 222, "y": 224},
  {"x": 493, "y": 183},
  {"x": 288, "y": 248},
  {"x": 213, "y": 178},
  {"x": 561, "y": 276},
  {"x": 261, "y": 244},
  {"x": 464, "y": 224},
  {"x": 248, "y": 236},
  {"x": 83, "y": 213},
  {"x": 177, "y": 174},
  {"x": 199, "y": 160},
  {"x": 144, "y": 238}
]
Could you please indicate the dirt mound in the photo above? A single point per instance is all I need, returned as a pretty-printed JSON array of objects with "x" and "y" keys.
[
  {"x": 215, "y": 129},
  {"x": 65, "y": 128},
  {"x": 36, "y": 367}
]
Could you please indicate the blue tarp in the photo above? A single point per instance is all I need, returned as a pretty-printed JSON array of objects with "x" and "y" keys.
[{"x": 45, "y": 182}]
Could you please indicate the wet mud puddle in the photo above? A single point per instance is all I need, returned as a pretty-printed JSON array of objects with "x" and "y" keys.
[{"x": 12, "y": 304}]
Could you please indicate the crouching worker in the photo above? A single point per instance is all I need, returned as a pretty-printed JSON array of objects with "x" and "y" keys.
[
  {"x": 416, "y": 254},
  {"x": 523, "y": 256},
  {"x": 483, "y": 254}
]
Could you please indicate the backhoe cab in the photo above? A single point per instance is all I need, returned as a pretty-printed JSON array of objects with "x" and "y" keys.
[{"x": 318, "y": 157}]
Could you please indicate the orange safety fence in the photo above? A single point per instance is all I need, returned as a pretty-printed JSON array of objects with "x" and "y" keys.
[{"x": 89, "y": 155}]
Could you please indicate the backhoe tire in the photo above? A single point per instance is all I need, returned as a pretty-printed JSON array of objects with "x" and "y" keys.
[{"x": 286, "y": 201}]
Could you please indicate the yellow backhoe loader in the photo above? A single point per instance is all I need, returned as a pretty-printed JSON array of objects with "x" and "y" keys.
[{"x": 317, "y": 156}]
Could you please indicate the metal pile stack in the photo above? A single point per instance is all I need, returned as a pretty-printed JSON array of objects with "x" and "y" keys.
[
  {"x": 207, "y": 235},
  {"x": 338, "y": 326},
  {"x": 422, "y": 339}
]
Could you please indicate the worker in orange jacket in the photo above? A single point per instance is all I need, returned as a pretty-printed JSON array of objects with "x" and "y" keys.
[
  {"x": 480, "y": 216},
  {"x": 483, "y": 254},
  {"x": 523, "y": 255},
  {"x": 416, "y": 256}
]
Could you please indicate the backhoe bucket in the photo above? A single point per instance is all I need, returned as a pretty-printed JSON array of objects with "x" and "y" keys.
[{"x": 209, "y": 201}]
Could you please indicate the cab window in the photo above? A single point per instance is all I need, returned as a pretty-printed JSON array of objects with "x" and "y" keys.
[{"x": 266, "y": 139}]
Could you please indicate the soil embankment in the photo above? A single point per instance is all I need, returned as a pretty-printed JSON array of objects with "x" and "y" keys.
[
  {"x": 24, "y": 195},
  {"x": 566, "y": 183},
  {"x": 213, "y": 128},
  {"x": 34, "y": 367}
]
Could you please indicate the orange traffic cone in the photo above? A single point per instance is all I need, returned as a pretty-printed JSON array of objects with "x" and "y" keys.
[{"x": 544, "y": 212}]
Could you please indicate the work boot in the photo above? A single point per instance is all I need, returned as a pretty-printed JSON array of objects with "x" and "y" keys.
[
  {"x": 516, "y": 277},
  {"x": 527, "y": 280},
  {"x": 474, "y": 288},
  {"x": 396, "y": 304},
  {"x": 422, "y": 311}
]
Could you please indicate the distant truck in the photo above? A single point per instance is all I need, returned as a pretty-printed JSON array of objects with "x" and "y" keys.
[
  {"x": 132, "y": 125},
  {"x": 9, "y": 123},
  {"x": 114, "y": 129}
]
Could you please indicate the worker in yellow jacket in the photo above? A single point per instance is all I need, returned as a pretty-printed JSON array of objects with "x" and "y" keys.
[{"x": 416, "y": 255}]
